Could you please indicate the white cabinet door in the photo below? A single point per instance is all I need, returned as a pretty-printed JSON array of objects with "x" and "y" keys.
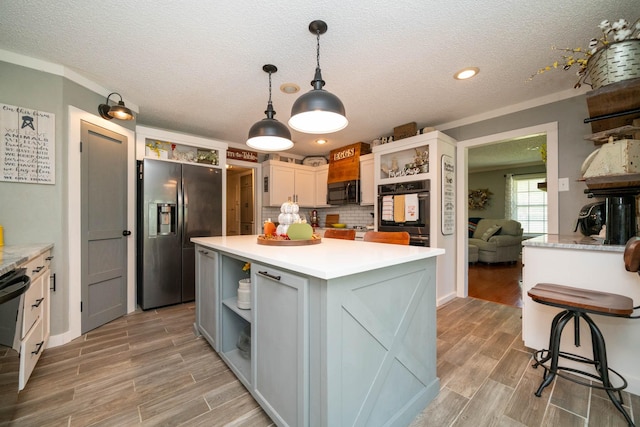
[
  {"x": 206, "y": 294},
  {"x": 34, "y": 325},
  {"x": 280, "y": 345},
  {"x": 305, "y": 187},
  {"x": 289, "y": 180},
  {"x": 367, "y": 186},
  {"x": 322, "y": 173},
  {"x": 282, "y": 185}
]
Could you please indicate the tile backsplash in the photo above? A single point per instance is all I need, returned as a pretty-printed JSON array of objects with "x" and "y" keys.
[{"x": 352, "y": 215}]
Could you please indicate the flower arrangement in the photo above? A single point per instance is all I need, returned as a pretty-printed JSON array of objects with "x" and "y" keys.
[
  {"x": 479, "y": 199},
  {"x": 207, "y": 156},
  {"x": 617, "y": 31},
  {"x": 247, "y": 268}
]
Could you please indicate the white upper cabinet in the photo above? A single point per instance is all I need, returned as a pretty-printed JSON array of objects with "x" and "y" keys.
[
  {"x": 283, "y": 180},
  {"x": 322, "y": 173},
  {"x": 367, "y": 180}
]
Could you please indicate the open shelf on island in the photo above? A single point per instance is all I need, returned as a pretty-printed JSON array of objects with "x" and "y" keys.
[
  {"x": 239, "y": 363},
  {"x": 231, "y": 303}
]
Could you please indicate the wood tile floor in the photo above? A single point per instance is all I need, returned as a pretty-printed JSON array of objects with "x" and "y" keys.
[{"x": 148, "y": 368}]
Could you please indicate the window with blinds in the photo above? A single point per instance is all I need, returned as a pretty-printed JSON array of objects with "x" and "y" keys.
[{"x": 530, "y": 203}]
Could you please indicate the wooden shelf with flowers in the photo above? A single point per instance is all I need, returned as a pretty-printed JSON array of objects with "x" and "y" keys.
[
  {"x": 611, "y": 66},
  {"x": 613, "y": 57}
]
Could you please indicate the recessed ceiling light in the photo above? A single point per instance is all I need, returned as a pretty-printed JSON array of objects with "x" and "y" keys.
[
  {"x": 466, "y": 73},
  {"x": 321, "y": 141},
  {"x": 289, "y": 88}
]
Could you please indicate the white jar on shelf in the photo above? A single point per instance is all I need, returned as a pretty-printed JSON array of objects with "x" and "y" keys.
[{"x": 244, "y": 294}]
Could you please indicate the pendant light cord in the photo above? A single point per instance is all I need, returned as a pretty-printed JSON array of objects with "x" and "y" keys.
[
  {"x": 269, "y": 88},
  {"x": 318, "y": 49}
]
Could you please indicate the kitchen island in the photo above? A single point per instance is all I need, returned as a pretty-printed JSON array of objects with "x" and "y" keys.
[
  {"x": 582, "y": 262},
  {"x": 342, "y": 332}
]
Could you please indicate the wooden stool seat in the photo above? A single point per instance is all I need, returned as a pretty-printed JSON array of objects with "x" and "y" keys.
[
  {"x": 340, "y": 233},
  {"x": 585, "y": 300},
  {"x": 393, "y": 237}
]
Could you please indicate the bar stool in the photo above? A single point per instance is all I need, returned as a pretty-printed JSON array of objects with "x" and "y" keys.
[
  {"x": 340, "y": 233},
  {"x": 393, "y": 237},
  {"x": 577, "y": 304}
]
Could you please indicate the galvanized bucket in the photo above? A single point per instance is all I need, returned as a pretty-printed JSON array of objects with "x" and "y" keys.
[{"x": 614, "y": 63}]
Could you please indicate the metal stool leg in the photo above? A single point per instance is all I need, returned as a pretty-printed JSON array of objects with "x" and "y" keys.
[
  {"x": 558, "y": 324},
  {"x": 554, "y": 324},
  {"x": 600, "y": 359}
]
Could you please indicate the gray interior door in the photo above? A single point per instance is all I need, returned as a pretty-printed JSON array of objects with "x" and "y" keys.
[{"x": 104, "y": 226}]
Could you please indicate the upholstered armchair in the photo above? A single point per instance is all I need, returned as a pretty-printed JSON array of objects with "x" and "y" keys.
[{"x": 497, "y": 240}]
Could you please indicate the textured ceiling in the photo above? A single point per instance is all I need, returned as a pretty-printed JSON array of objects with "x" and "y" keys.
[
  {"x": 196, "y": 66},
  {"x": 519, "y": 152}
]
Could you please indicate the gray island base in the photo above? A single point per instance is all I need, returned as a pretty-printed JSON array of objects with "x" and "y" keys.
[{"x": 343, "y": 333}]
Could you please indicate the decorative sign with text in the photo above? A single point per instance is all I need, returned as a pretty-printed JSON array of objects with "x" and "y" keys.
[
  {"x": 448, "y": 172},
  {"x": 246, "y": 155},
  {"x": 27, "y": 148},
  {"x": 344, "y": 162}
]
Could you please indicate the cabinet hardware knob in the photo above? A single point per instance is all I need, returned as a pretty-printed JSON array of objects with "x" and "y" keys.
[
  {"x": 271, "y": 276},
  {"x": 38, "y": 268},
  {"x": 126, "y": 233},
  {"x": 38, "y": 302},
  {"x": 49, "y": 258},
  {"x": 203, "y": 252}
]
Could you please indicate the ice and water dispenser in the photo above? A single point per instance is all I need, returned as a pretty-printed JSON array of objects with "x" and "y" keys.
[{"x": 162, "y": 219}]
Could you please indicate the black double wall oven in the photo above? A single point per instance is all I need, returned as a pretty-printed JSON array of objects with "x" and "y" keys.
[{"x": 409, "y": 212}]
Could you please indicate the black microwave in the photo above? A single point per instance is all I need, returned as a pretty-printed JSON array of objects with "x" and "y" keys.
[{"x": 343, "y": 193}]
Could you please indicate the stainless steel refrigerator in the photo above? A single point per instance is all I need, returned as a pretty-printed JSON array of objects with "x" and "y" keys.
[{"x": 175, "y": 203}]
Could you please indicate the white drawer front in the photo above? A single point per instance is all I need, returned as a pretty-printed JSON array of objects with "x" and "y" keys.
[
  {"x": 37, "y": 266},
  {"x": 30, "y": 351},
  {"x": 33, "y": 305}
]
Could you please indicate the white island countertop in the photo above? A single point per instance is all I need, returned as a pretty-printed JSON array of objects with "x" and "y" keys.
[{"x": 330, "y": 259}]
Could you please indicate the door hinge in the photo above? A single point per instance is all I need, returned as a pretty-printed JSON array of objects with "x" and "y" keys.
[{"x": 81, "y": 146}]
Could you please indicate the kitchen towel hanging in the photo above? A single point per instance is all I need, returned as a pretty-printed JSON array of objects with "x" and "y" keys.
[
  {"x": 411, "y": 207},
  {"x": 387, "y": 208},
  {"x": 398, "y": 208}
]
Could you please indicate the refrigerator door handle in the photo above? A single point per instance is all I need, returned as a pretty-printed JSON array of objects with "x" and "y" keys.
[
  {"x": 182, "y": 210},
  {"x": 185, "y": 212}
]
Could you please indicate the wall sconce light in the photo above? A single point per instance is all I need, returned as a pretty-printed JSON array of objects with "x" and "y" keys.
[
  {"x": 318, "y": 111},
  {"x": 119, "y": 111},
  {"x": 269, "y": 134}
]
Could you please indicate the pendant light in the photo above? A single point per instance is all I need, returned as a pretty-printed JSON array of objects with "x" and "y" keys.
[
  {"x": 269, "y": 134},
  {"x": 318, "y": 111}
]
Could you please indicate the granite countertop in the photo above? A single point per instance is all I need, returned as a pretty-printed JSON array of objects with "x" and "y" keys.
[
  {"x": 575, "y": 241},
  {"x": 12, "y": 256},
  {"x": 332, "y": 258}
]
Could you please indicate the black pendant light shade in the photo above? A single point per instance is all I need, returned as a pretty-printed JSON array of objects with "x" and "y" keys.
[
  {"x": 318, "y": 111},
  {"x": 119, "y": 111},
  {"x": 269, "y": 134}
]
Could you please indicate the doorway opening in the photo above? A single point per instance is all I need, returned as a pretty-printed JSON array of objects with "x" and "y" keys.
[
  {"x": 241, "y": 201},
  {"x": 465, "y": 184},
  {"x": 503, "y": 172}
]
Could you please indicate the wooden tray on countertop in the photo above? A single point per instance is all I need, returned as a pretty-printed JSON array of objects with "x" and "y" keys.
[{"x": 272, "y": 242}]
